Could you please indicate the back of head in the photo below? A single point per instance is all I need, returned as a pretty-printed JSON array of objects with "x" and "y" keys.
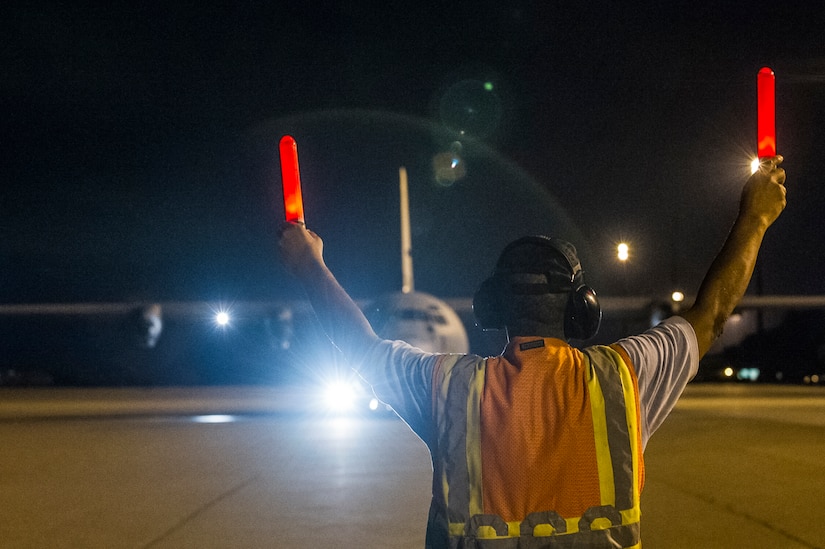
[{"x": 537, "y": 288}]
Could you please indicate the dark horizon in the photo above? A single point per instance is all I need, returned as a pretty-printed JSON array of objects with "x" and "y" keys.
[{"x": 140, "y": 162}]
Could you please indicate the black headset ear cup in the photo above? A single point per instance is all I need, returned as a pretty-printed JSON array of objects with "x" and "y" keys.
[
  {"x": 584, "y": 314},
  {"x": 486, "y": 306}
]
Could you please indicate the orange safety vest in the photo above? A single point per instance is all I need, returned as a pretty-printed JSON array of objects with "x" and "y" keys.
[{"x": 537, "y": 448}]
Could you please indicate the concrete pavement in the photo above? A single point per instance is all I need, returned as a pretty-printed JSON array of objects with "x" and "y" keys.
[{"x": 735, "y": 466}]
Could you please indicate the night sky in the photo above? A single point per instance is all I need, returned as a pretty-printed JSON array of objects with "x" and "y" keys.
[{"x": 140, "y": 148}]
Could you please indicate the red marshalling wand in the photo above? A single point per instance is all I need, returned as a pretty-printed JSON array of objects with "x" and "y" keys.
[
  {"x": 291, "y": 180},
  {"x": 766, "y": 113}
]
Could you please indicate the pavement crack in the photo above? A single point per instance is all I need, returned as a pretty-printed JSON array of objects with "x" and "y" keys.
[
  {"x": 709, "y": 499},
  {"x": 200, "y": 510}
]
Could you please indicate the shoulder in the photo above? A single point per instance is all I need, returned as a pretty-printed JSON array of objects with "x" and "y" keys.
[
  {"x": 450, "y": 365},
  {"x": 665, "y": 359},
  {"x": 672, "y": 338}
]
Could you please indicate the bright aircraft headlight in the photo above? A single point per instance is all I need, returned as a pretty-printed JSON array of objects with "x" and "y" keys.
[{"x": 340, "y": 396}]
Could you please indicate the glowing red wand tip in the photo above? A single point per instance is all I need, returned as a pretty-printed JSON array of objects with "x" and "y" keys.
[
  {"x": 291, "y": 179},
  {"x": 766, "y": 113}
]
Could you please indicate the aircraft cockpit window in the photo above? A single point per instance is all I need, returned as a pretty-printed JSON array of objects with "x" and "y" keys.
[
  {"x": 418, "y": 314},
  {"x": 412, "y": 314}
]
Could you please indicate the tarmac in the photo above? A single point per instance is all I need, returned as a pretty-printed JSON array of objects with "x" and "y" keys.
[{"x": 736, "y": 465}]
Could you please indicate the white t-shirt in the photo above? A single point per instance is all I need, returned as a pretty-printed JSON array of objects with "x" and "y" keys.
[{"x": 665, "y": 359}]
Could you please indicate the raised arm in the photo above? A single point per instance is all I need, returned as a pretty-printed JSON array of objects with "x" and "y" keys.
[
  {"x": 762, "y": 200},
  {"x": 302, "y": 254}
]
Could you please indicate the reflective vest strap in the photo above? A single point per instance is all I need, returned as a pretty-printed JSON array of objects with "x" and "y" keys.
[
  {"x": 474, "y": 438},
  {"x": 491, "y": 531},
  {"x": 604, "y": 461},
  {"x": 538, "y": 523},
  {"x": 630, "y": 384},
  {"x": 615, "y": 425},
  {"x": 459, "y": 435}
]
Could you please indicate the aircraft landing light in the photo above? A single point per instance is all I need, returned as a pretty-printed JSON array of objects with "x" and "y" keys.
[
  {"x": 215, "y": 418},
  {"x": 340, "y": 396}
]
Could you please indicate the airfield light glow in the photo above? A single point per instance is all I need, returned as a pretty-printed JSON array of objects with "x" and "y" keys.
[
  {"x": 623, "y": 251},
  {"x": 222, "y": 318},
  {"x": 215, "y": 418},
  {"x": 340, "y": 396},
  {"x": 291, "y": 180},
  {"x": 766, "y": 113}
]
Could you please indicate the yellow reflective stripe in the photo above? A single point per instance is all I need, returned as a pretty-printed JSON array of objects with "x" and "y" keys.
[
  {"x": 445, "y": 486},
  {"x": 514, "y": 529},
  {"x": 604, "y": 462},
  {"x": 474, "y": 439},
  {"x": 632, "y": 423},
  {"x": 630, "y": 516},
  {"x": 457, "y": 529},
  {"x": 486, "y": 532},
  {"x": 447, "y": 365},
  {"x": 572, "y": 525}
]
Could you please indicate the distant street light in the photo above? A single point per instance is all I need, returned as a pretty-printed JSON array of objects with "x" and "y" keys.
[
  {"x": 623, "y": 251},
  {"x": 222, "y": 318}
]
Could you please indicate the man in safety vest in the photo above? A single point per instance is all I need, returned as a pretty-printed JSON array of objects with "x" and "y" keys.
[{"x": 541, "y": 447}]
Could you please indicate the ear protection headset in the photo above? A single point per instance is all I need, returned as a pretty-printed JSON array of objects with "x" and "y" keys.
[{"x": 583, "y": 314}]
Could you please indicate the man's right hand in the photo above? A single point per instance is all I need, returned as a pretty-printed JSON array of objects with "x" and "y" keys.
[
  {"x": 762, "y": 200},
  {"x": 763, "y": 196},
  {"x": 301, "y": 252}
]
